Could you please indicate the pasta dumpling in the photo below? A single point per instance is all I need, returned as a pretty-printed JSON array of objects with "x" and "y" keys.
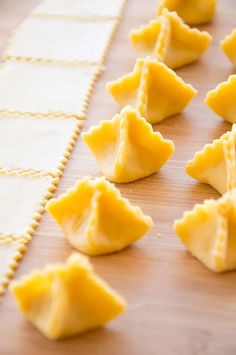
[
  {"x": 193, "y": 12},
  {"x": 208, "y": 232},
  {"x": 215, "y": 164},
  {"x": 96, "y": 219},
  {"x": 153, "y": 89},
  {"x": 228, "y": 45},
  {"x": 64, "y": 300},
  {"x": 222, "y": 100},
  {"x": 169, "y": 40},
  {"x": 127, "y": 148}
]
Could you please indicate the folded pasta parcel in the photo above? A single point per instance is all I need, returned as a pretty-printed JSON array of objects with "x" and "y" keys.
[
  {"x": 222, "y": 100},
  {"x": 215, "y": 164},
  {"x": 96, "y": 219},
  {"x": 127, "y": 148},
  {"x": 64, "y": 300},
  {"x": 193, "y": 12},
  {"x": 209, "y": 230},
  {"x": 170, "y": 40},
  {"x": 228, "y": 45},
  {"x": 153, "y": 89}
]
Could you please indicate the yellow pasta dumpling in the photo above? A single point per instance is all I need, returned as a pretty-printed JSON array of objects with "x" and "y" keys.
[
  {"x": 193, "y": 12},
  {"x": 222, "y": 100},
  {"x": 96, "y": 219},
  {"x": 170, "y": 40},
  {"x": 153, "y": 89},
  {"x": 64, "y": 300},
  {"x": 208, "y": 232},
  {"x": 127, "y": 148},
  {"x": 215, "y": 164},
  {"x": 228, "y": 45}
]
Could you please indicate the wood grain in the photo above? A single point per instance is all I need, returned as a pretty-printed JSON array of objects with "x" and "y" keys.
[{"x": 176, "y": 306}]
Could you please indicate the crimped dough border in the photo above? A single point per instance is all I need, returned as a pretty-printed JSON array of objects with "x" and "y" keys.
[{"x": 13, "y": 264}]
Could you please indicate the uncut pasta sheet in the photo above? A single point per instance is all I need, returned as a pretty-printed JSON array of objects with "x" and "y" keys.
[{"x": 49, "y": 68}]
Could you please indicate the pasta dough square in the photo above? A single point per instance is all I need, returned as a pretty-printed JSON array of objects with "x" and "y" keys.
[
  {"x": 22, "y": 202},
  {"x": 10, "y": 254},
  {"x": 80, "y": 8},
  {"x": 61, "y": 39},
  {"x": 42, "y": 144},
  {"x": 46, "y": 89}
]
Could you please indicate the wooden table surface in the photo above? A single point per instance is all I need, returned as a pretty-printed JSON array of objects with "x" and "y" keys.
[{"x": 176, "y": 306}]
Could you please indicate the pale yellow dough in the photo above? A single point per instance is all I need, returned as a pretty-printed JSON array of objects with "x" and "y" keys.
[
  {"x": 170, "y": 40},
  {"x": 10, "y": 254},
  {"x": 208, "y": 232},
  {"x": 60, "y": 39},
  {"x": 127, "y": 148},
  {"x": 21, "y": 197},
  {"x": 152, "y": 88},
  {"x": 46, "y": 89},
  {"x": 36, "y": 143},
  {"x": 96, "y": 219},
  {"x": 215, "y": 164},
  {"x": 80, "y": 8},
  {"x": 64, "y": 300}
]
